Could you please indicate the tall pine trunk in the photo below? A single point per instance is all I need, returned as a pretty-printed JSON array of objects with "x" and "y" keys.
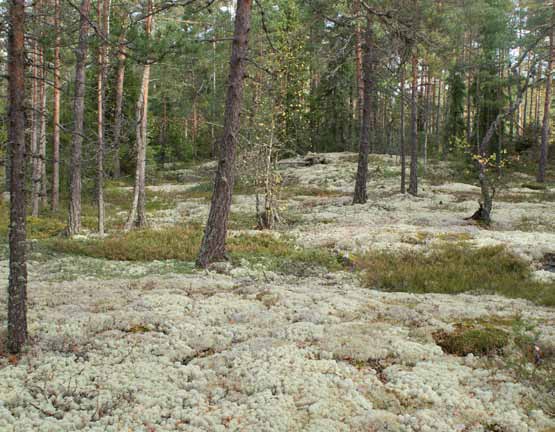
[
  {"x": 74, "y": 218},
  {"x": 118, "y": 115},
  {"x": 547, "y": 106},
  {"x": 137, "y": 215},
  {"x": 17, "y": 283},
  {"x": 360, "y": 195},
  {"x": 213, "y": 242},
  {"x": 402, "y": 130},
  {"x": 358, "y": 57},
  {"x": 55, "y": 197},
  {"x": 413, "y": 186},
  {"x": 103, "y": 15},
  {"x": 35, "y": 119},
  {"x": 42, "y": 186}
]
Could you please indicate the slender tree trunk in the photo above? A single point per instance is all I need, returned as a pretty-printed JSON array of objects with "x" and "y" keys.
[
  {"x": 438, "y": 112},
  {"x": 42, "y": 133},
  {"x": 547, "y": 106},
  {"x": 74, "y": 218},
  {"x": 512, "y": 119},
  {"x": 213, "y": 147},
  {"x": 118, "y": 115},
  {"x": 425, "y": 113},
  {"x": 445, "y": 147},
  {"x": 213, "y": 242},
  {"x": 402, "y": 130},
  {"x": 164, "y": 130},
  {"x": 358, "y": 54},
  {"x": 17, "y": 283},
  {"x": 137, "y": 215},
  {"x": 413, "y": 186},
  {"x": 55, "y": 198},
  {"x": 525, "y": 111},
  {"x": 360, "y": 195},
  {"x": 468, "y": 98},
  {"x": 103, "y": 14},
  {"x": 35, "y": 121}
]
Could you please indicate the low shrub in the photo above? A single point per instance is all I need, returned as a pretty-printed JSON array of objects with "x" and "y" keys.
[
  {"x": 454, "y": 268},
  {"x": 183, "y": 242},
  {"x": 478, "y": 341},
  {"x": 180, "y": 243}
]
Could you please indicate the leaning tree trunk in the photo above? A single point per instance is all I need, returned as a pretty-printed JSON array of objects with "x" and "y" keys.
[
  {"x": 360, "y": 195},
  {"x": 137, "y": 215},
  {"x": 55, "y": 197},
  {"x": 74, "y": 219},
  {"x": 118, "y": 115},
  {"x": 483, "y": 214},
  {"x": 413, "y": 186},
  {"x": 545, "y": 125},
  {"x": 17, "y": 284},
  {"x": 213, "y": 242}
]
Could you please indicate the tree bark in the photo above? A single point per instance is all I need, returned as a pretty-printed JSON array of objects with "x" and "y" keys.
[
  {"x": 118, "y": 115},
  {"x": 103, "y": 14},
  {"x": 42, "y": 186},
  {"x": 35, "y": 120},
  {"x": 360, "y": 195},
  {"x": 55, "y": 197},
  {"x": 213, "y": 242},
  {"x": 137, "y": 215},
  {"x": 413, "y": 186},
  {"x": 358, "y": 54},
  {"x": 74, "y": 218},
  {"x": 425, "y": 113},
  {"x": 402, "y": 130},
  {"x": 547, "y": 106},
  {"x": 17, "y": 284}
]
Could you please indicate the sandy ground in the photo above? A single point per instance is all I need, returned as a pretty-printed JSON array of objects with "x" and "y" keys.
[{"x": 141, "y": 347}]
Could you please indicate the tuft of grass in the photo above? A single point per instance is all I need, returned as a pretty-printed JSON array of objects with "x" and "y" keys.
[
  {"x": 455, "y": 236},
  {"x": 486, "y": 340},
  {"x": 454, "y": 268}
]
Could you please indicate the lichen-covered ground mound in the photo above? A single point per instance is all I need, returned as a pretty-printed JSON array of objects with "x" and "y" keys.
[{"x": 253, "y": 346}]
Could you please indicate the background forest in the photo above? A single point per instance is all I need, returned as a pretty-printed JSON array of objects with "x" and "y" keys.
[{"x": 303, "y": 85}]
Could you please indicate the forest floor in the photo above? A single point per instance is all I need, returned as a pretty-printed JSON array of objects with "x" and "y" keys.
[{"x": 292, "y": 334}]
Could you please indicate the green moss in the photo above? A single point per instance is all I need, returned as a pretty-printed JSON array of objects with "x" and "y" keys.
[{"x": 452, "y": 269}]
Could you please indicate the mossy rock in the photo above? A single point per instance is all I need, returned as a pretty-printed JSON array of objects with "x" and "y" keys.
[{"x": 472, "y": 340}]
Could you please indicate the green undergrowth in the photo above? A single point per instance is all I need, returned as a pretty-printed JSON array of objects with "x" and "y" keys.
[
  {"x": 514, "y": 341},
  {"x": 281, "y": 254},
  {"x": 182, "y": 243},
  {"x": 452, "y": 269},
  {"x": 483, "y": 340}
]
